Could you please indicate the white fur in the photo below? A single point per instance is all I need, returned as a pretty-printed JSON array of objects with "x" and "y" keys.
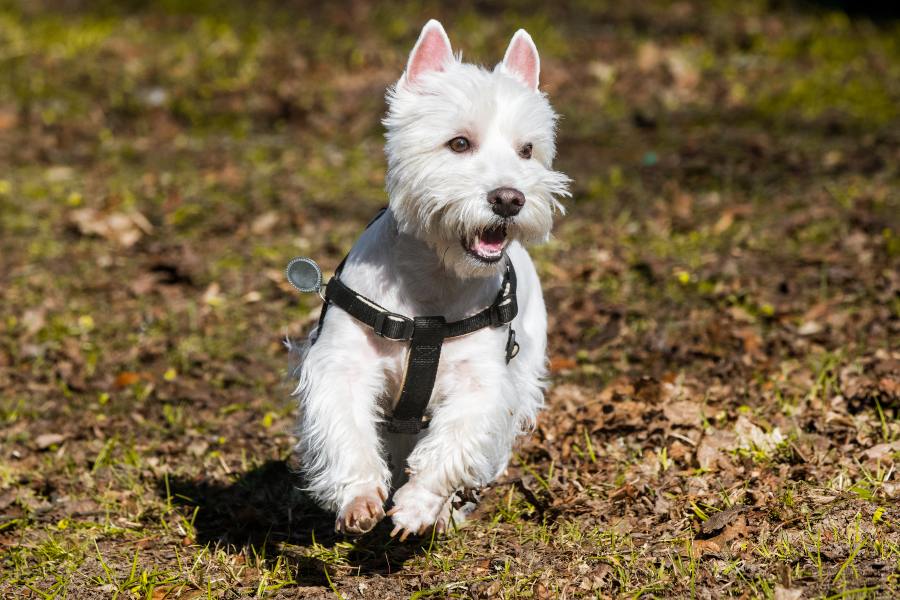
[{"x": 411, "y": 261}]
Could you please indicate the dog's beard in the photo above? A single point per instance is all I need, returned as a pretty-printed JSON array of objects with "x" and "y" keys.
[{"x": 468, "y": 240}]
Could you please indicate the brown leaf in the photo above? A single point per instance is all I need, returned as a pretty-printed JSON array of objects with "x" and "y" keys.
[
  {"x": 711, "y": 451},
  {"x": 8, "y": 119},
  {"x": 683, "y": 412},
  {"x": 127, "y": 378},
  {"x": 890, "y": 387},
  {"x": 883, "y": 452},
  {"x": 701, "y": 547},
  {"x": 751, "y": 340},
  {"x": 143, "y": 283},
  {"x": 649, "y": 56},
  {"x": 562, "y": 363},
  {"x": 735, "y": 530},
  {"x": 122, "y": 228},
  {"x": 722, "y": 518}
]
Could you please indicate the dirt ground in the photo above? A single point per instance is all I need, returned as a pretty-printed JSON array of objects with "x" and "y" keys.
[{"x": 724, "y": 292}]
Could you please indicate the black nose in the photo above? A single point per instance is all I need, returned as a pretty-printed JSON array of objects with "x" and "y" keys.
[{"x": 506, "y": 202}]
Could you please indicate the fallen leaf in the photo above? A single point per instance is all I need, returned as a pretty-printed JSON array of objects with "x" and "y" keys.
[
  {"x": 561, "y": 363},
  {"x": 701, "y": 547},
  {"x": 33, "y": 320},
  {"x": 123, "y": 228},
  {"x": 883, "y": 452},
  {"x": 810, "y": 328},
  {"x": 198, "y": 447},
  {"x": 682, "y": 412},
  {"x": 783, "y": 593},
  {"x": 8, "y": 119},
  {"x": 711, "y": 451},
  {"x": 45, "y": 440},
  {"x": 127, "y": 378},
  {"x": 751, "y": 437},
  {"x": 720, "y": 519},
  {"x": 264, "y": 223},
  {"x": 649, "y": 56}
]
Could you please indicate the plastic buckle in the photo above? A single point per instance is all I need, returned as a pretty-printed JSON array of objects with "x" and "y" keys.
[
  {"x": 495, "y": 315},
  {"x": 381, "y": 320}
]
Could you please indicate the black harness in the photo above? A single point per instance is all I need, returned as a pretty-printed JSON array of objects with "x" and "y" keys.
[{"x": 426, "y": 336}]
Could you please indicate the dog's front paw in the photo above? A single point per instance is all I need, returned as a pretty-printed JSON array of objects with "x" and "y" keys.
[
  {"x": 361, "y": 514},
  {"x": 415, "y": 510}
]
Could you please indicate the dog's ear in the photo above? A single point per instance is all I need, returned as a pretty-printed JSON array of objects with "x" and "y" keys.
[
  {"x": 431, "y": 52},
  {"x": 522, "y": 60}
]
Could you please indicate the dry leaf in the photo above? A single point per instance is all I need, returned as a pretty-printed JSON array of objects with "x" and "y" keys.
[
  {"x": 264, "y": 223},
  {"x": 783, "y": 593},
  {"x": 683, "y": 412},
  {"x": 561, "y": 363},
  {"x": 720, "y": 519},
  {"x": 126, "y": 379},
  {"x": 711, "y": 451},
  {"x": 45, "y": 440},
  {"x": 883, "y": 452},
  {"x": 123, "y": 228}
]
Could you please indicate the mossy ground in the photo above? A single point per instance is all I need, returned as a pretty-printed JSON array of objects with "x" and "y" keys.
[{"x": 724, "y": 293}]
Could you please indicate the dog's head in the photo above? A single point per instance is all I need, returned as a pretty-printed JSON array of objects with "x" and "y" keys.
[{"x": 470, "y": 153}]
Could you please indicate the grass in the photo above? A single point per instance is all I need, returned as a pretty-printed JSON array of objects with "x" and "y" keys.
[{"x": 726, "y": 270}]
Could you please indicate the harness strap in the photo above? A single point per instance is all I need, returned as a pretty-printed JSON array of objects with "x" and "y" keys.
[
  {"x": 426, "y": 336},
  {"x": 385, "y": 323},
  {"x": 337, "y": 272},
  {"x": 421, "y": 371},
  {"x": 399, "y": 328}
]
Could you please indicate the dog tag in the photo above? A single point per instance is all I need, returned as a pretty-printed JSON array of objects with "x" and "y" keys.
[{"x": 304, "y": 274}]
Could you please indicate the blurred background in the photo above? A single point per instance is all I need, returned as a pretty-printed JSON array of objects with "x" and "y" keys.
[{"x": 731, "y": 249}]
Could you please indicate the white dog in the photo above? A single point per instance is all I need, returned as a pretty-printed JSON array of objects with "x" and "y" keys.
[{"x": 470, "y": 181}]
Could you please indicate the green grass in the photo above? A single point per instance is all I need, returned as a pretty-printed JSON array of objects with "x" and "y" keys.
[{"x": 731, "y": 243}]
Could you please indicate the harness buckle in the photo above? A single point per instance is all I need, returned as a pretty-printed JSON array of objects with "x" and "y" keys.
[
  {"x": 502, "y": 312},
  {"x": 382, "y": 322}
]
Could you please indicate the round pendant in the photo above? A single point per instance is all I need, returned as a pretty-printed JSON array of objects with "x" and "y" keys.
[{"x": 304, "y": 274}]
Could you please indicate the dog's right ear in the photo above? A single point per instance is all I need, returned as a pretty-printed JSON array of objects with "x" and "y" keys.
[{"x": 432, "y": 52}]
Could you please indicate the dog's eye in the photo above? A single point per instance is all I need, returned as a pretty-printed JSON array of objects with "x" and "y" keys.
[
  {"x": 459, "y": 144},
  {"x": 525, "y": 151}
]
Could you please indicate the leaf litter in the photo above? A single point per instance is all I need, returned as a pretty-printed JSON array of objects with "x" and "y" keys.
[{"x": 722, "y": 417}]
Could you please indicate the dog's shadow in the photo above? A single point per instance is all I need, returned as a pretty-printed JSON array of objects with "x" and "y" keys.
[{"x": 263, "y": 511}]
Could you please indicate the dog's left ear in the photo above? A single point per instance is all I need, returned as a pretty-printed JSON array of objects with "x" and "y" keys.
[{"x": 522, "y": 60}]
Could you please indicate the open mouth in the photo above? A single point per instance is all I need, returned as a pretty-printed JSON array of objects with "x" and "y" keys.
[{"x": 488, "y": 245}]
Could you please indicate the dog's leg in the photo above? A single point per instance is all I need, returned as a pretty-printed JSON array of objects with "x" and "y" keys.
[
  {"x": 468, "y": 443},
  {"x": 340, "y": 381}
]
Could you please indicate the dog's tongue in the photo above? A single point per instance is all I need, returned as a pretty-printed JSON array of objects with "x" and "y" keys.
[{"x": 490, "y": 241}]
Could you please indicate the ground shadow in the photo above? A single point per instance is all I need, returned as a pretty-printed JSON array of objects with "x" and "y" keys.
[{"x": 265, "y": 509}]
